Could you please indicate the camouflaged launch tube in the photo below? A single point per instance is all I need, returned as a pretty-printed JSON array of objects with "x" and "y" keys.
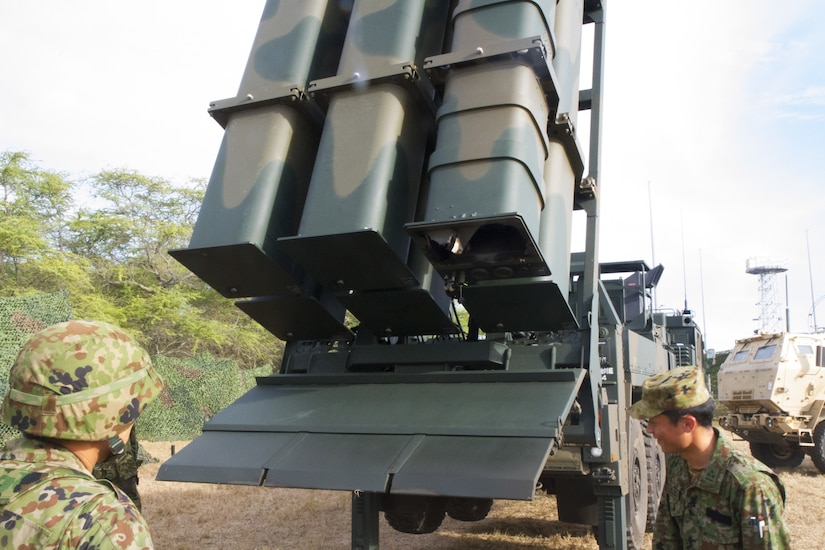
[
  {"x": 492, "y": 144},
  {"x": 258, "y": 184},
  {"x": 365, "y": 183},
  {"x": 559, "y": 175}
]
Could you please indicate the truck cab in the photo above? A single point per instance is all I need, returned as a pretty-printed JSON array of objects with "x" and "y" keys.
[{"x": 773, "y": 387}]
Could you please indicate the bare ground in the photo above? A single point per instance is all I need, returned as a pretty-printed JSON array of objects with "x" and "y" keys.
[{"x": 193, "y": 516}]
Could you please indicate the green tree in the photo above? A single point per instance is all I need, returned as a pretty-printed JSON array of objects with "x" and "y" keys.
[
  {"x": 33, "y": 205},
  {"x": 126, "y": 239},
  {"x": 112, "y": 256}
]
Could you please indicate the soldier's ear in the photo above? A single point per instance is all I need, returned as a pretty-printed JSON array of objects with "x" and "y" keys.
[{"x": 689, "y": 423}]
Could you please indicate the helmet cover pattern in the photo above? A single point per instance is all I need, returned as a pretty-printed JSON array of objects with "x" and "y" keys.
[
  {"x": 79, "y": 380},
  {"x": 677, "y": 389}
]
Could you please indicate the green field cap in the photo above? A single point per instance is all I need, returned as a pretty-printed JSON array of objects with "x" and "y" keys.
[{"x": 676, "y": 389}]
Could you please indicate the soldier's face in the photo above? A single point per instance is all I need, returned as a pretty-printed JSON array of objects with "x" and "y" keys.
[{"x": 672, "y": 438}]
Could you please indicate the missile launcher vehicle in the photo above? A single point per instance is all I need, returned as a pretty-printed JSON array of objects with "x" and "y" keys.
[
  {"x": 387, "y": 164},
  {"x": 773, "y": 386}
]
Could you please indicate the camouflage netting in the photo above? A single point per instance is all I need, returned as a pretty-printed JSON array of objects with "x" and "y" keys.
[
  {"x": 20, "y": 317},
  {"x": 195, "y": 390}
]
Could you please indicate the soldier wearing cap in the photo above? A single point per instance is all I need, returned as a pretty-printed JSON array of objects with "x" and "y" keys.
[
  {"x": 715, "y": 496},
  {"x": 75, "y": 391}
]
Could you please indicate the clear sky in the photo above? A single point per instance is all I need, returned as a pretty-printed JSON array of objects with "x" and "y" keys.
[{"x": 714, "y": 126}]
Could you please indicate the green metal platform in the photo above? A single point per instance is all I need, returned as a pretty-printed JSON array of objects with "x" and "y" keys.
[{"x": 464, "y": 434}]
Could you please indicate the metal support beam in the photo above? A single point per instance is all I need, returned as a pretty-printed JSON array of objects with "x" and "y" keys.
[
  {"x": 612, "y": 508},
  {"x": 365, "y": 508},
  {"x": 612, "y": 522}
]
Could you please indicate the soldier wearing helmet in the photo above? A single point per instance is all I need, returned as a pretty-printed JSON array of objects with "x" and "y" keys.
[
  {"x": 715, "y": 496},
  {"x": 75, "y": 390}
]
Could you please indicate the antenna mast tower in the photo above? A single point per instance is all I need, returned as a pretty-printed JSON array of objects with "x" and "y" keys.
[{"x": 766, "y": 269}]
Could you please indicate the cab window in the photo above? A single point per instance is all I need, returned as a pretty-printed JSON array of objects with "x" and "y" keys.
[
  {"x": 804, "y": 349},
  {"x": 765, "y": 352},
  {"x": 740, "y": 355}
]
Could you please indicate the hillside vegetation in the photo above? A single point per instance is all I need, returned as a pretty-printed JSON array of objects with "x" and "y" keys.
[
  {"x": 96, "y": 248},
  {"x": 104, "y": 240}
]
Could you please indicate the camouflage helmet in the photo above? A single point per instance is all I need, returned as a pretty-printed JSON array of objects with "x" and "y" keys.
[
  {"x": 79, "y": 380},
  {"x": 677, "y": 389}
]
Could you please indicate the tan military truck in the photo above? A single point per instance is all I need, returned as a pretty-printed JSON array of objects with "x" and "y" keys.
[{"x": 774, "y": 387}]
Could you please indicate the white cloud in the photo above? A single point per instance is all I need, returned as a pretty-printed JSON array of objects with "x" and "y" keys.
[
  {"x": 91, "y": 84},
  {"x": 698, "y": 95},
  {"x": 806, "y": 104}
]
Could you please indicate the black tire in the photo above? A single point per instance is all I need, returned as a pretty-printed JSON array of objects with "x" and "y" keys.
[
  {"x": 469, "y": 509},
  {"x": 656, "y": 475},
  {"x": 413, "y": 514},
  {"x": 777, "y": 455},
  {"x": 818, "y": 452},
  {"x": 636, "y": 498}
]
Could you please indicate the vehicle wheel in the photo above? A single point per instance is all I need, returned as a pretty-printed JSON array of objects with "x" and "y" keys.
[
  {"x": 414, "y": 514},
  {"x": 637, "y": 498},
  {"x": 818, "y": 452},
  {"x": 469, "y": 509},
  {"x": 655, "y": 478},
  {"x": 774, "y": 455}
]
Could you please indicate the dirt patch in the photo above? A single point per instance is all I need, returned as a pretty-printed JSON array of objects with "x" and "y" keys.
[{"x": 194, "y": 516}]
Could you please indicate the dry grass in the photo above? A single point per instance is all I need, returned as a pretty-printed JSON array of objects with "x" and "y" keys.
[{"x": 189, "y": 516}]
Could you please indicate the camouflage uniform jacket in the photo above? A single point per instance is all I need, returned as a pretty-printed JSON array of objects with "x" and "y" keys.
[
  {"x": 734, "y": 499},
  {"x": 49, "y": 500}
]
